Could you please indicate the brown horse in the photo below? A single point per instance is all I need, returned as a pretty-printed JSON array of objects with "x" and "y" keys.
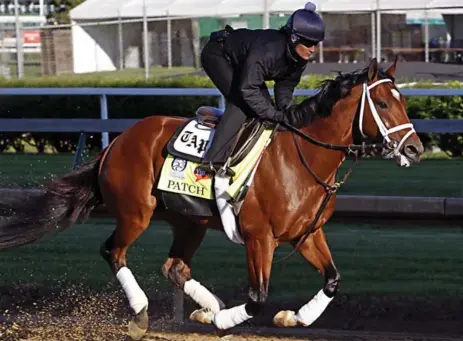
[{"x": 291, "y": 198}]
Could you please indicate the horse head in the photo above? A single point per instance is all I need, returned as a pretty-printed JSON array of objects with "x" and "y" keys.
[{"x": 382, "y": 113}]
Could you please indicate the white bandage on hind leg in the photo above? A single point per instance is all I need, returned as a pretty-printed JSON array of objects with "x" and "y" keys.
[
  {"x": 202, "y": 296},
  {"x": 228, "y": 318},
  {"x": 136, "y": 296},
  {"x": 312, "y": 310}
]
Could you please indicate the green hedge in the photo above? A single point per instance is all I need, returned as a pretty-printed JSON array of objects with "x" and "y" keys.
[
  {"x": 440, "y": 107},
  {"x": 142, "y": 106},
  {"x": 89, "y": 106}
]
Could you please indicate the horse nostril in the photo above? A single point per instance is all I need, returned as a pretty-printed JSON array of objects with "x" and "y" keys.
[{"x": 410, "y": 150}]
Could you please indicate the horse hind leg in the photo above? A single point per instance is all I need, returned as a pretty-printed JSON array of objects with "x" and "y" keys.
[
  {"x": 316, "y": 251},
  {"x": 129, "y": 227},
  {"x": 177, "y": 268}
]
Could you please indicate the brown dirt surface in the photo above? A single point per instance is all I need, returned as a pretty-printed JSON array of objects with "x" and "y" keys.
[{"x": 33, "y": 313}]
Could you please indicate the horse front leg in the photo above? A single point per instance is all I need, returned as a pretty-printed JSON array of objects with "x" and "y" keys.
[
  {"x": 259, "y": 252},
  {"x": 316, "y": 251}
]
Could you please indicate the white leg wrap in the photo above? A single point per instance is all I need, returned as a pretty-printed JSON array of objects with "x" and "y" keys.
[
  {"x": 136, "y": 296},
  {"x": 226, "y": 210},
  {"x": 201, "y": 295},
  {"x": 312, "y": 310},
  {"x": 228, "y": 318}
]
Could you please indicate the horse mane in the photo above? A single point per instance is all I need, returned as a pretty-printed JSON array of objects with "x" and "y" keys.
[{"x": 332, "y": 90}]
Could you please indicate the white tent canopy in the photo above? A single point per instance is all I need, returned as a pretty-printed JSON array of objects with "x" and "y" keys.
[
  {"x": 103, "y": 47},
  {"x": 106, "y": 9}
]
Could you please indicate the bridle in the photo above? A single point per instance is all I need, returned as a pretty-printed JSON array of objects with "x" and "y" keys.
[
  {"x": 354, "y": 149},
  {"x": 381, "y": 126}
]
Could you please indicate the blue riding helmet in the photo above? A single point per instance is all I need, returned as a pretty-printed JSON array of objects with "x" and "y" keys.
[{"x": 305, "y": 26}]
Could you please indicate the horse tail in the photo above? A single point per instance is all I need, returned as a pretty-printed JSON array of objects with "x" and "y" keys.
[{"x": 63, "y": 202}]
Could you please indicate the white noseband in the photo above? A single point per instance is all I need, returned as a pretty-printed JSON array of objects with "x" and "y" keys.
[{"x": 382, "y": 128}]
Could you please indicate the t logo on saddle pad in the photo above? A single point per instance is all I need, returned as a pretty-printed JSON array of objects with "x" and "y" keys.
[
  {"x": 190, "y": 139},
  {"x": 193, "y": 140}
]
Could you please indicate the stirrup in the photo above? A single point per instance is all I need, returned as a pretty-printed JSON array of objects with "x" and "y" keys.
[
  {"x": 211, "y": 168},
  {"x": 207, "y": 167},
  {"x": 225, "y": 170}
]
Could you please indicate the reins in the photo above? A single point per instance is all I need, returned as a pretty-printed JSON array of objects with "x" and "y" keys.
[
  {"x": 345, "y": 148},
  {"x": 329, "y": 189}
]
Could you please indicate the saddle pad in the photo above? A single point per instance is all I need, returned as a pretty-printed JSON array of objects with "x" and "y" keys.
[{"x": 180, "y": 176}]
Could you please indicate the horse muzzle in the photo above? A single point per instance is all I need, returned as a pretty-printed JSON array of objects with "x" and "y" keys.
[{"x": 406, "y": 155}]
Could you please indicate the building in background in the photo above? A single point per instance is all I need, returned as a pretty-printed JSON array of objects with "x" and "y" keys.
[
  {"x": 349, "y": 38},
  {"x": 108, "y": 35},
  {"x": 32, "y": 14}
]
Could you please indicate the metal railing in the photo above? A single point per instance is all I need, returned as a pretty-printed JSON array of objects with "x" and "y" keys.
[{"x": 105, "y": 125}]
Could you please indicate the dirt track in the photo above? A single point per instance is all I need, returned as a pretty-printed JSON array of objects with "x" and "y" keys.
[
  {"x": 38, "y": 314},
  {"x": 77, "y": 333},
  {"x": 297, "y": 334}
]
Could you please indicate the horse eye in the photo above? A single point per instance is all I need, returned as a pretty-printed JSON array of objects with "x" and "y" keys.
[{"x": 382, "y": 104}]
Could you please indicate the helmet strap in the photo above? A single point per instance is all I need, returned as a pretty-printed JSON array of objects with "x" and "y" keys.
[
  {"x": 294, "y": 39},
  {"x": 293, "y": 55}
]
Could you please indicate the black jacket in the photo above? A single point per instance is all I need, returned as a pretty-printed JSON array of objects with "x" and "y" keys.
[{"x": 263, "y": 55}]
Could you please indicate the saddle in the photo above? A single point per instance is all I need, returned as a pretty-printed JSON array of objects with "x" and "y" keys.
[{"x": 198, "y": 132}]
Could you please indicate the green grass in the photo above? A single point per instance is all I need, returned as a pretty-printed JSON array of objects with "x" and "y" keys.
[
  {"x": 432, "y": 177},
  {"x": 29, "y": 170},
  {"x": 155, "y": 71},
  {"x": 32, "y": 71},
  {"x": 373, "y": 259}
]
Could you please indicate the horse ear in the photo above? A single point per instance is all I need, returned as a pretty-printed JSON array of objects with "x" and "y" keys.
[
  {"x": 373, "y": 69},
  {"x": 391, "y": 70}
]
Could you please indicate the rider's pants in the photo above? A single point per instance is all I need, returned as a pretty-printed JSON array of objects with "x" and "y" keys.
[{"x": 226, "y": 78}]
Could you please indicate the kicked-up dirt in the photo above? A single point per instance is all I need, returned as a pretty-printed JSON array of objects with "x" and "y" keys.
[{"x": 33, "y": 313}]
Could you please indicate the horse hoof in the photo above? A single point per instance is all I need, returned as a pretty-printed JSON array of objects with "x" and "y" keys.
[
  {"x": 139, "y": 325},
  {"x": 203, "y": 316},
  {"x": 285, "y": 318},
  {"x": 223, "y": 334}
]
